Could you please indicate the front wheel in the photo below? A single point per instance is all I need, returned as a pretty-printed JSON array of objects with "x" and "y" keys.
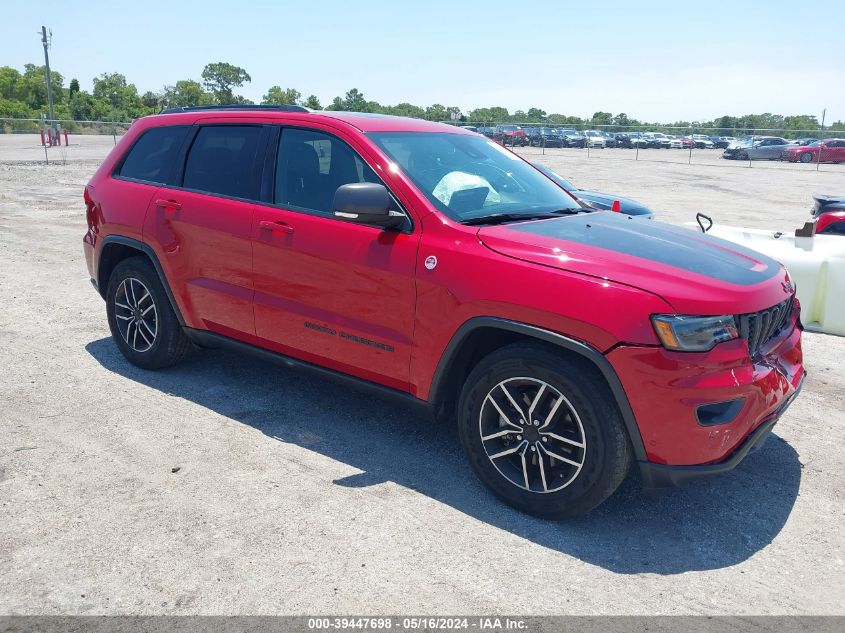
[
  {"x": 541, "y": 431},
  {"x": 806, "y": 157}
]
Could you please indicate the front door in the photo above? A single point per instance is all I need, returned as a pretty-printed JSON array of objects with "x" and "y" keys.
[{"x": 329, "y": 291}]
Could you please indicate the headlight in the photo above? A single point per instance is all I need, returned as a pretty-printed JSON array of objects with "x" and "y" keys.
[{"x": 693, "y": 333}]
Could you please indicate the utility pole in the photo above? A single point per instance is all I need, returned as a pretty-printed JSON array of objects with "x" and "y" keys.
[
  {"x": 821, "y": 138},
  {"x": 46, "y": 43}
]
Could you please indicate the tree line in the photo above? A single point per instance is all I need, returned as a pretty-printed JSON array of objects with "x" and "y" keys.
[{"x": 113, "y": 98}]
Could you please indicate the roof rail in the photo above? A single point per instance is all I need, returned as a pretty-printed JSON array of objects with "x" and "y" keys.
[{"x": 236, "y": 106}]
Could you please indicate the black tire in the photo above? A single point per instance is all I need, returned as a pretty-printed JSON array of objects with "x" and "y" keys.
[
  {"x": 605, "y": 457},
  {"x": 742, "y": 156},
  {"x": 169, "y": 345},
  {"x": 806, "y": 157}
]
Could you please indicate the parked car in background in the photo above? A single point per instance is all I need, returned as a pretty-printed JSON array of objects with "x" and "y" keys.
[
  {"x": 827, "y": 204},
  {"x": 597, "y": 200},
  {"x": 469, "y": 128},
  {"x": 722, "y": 142},
  {"x": 512, "y": 135},
  {"x": 489, "y": 132},
  {"x": 831, "y": 223},
  {"x": 702, "y": 141},
  {"x": 757, "y": 148},
  {"x": 687, "y": 142},
  {"x": 595, "y": 138},
  {"x": 636, "y": 139},
  {"x": 829, "y": 213},
  {"x": 542, "y": 137},
  {"x": 832, "y": 151},
  {"x": 657, "y": 140},
  {"x": 609, "y": 139},
  {"x": 623, "y": 139},
  {"x": 674, "y": 141},
  {"x": 573, "y": 138},
  {"x": 806, "y": 141}
]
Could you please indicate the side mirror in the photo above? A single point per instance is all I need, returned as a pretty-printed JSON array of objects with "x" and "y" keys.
[{"x": 366, "y": 203}]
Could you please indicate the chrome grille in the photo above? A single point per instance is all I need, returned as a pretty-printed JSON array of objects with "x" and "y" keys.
[{"x": 759, "y": 327}]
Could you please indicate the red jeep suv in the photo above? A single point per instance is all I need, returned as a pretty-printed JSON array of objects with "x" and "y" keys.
[{"x": 434, "y": 264}]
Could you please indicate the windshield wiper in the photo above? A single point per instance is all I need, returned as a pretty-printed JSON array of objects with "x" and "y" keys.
[{"x": 502, "y": 218}]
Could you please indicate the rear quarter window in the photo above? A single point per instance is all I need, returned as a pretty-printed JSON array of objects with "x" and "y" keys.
[{"x": 153, "y": 156}]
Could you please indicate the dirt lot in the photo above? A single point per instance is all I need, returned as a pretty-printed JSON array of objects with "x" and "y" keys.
[{"x": 294, "y": 495}]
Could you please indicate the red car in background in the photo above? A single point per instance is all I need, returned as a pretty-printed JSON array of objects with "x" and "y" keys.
[
  {"x": 829, "y": 212},
  {"x": 832, "y": 151},
  {"x": 832, "y": 223},
  {"x": 512, "y": 135}
]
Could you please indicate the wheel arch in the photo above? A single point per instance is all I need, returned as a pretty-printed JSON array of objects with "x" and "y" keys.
[
  {"x": 480, "y": 336},
  {"x": 117, "y": 248}
]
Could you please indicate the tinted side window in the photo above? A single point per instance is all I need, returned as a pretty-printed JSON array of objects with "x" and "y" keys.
[
  {"x": 221, "y": 161},
  {"x": 153, "y": 154},
  {"x": 312, "y": 165}
]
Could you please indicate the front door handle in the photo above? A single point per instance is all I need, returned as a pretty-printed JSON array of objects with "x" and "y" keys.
[
  {"x": 168, "y": 205},
  {"x": 276, "y": 226}
]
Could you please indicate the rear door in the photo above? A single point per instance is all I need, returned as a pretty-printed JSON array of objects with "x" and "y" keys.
[
  {"x": 772, "y": 147},
  {"x": 201, "y": 227},
  {"x": 328, "y": 291}
]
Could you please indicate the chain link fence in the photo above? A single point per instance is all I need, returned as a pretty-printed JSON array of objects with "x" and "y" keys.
[
  {"x": 35, "y": 126},
  {"x": 820, "y": 148},
  {"x": 59, "y": 141}
]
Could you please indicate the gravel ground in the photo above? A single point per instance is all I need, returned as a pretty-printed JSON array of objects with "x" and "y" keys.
[{"x": 231, "y": 486}]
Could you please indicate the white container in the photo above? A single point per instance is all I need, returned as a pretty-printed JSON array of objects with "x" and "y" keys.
[{"x": 816, "y": 265}]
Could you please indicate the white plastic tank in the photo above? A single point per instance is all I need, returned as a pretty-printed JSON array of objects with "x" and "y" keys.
[{"x": 816, "y": 265}]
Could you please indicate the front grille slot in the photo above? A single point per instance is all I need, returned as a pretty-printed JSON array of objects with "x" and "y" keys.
[{"x": 759, "y": 327}]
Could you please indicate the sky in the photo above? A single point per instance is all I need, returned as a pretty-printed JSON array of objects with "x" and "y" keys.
[{"x": 653, "y": 60}]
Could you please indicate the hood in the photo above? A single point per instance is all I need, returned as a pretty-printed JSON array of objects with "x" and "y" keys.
[{"x": 694, "y": 272}]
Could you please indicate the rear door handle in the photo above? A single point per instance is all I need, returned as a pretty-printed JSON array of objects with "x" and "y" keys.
[
  {"x": 168, "y": 205},
  {"x": 276, "y": 226}
]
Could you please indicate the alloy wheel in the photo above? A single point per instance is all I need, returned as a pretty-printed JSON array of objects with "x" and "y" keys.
[
  {"x": 135, "y": 314},
  {"x": 532, "y": 434}
]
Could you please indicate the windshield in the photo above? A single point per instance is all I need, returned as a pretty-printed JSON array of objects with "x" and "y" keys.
[
  {"x": 563, "y": 182},
  {"x": 468, "y": 176}
]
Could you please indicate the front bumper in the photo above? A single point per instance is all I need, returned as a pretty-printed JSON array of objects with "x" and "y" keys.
[
  {"x": 669, "y": 391},
  {"x": 656, "y": 476}
]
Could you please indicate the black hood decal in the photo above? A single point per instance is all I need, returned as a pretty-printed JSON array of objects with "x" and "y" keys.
[{"x": 661, "y": 243}]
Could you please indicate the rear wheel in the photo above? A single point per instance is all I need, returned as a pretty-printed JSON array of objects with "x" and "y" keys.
[
  {"x": 141, "y": 319},
  {"x": 541, "y": 431}
]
